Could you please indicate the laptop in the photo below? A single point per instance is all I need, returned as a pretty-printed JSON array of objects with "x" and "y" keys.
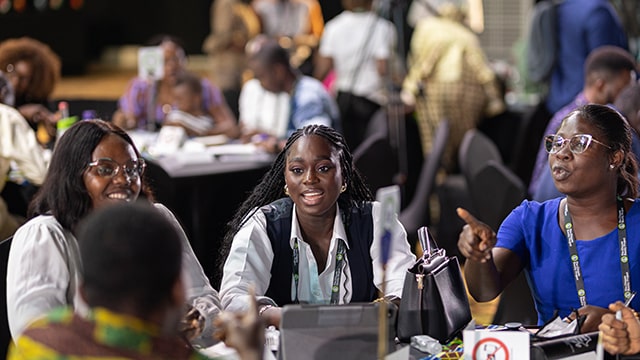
[{"x": 335, "y": 332}]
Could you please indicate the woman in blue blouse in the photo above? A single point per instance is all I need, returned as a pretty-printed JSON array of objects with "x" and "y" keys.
[{"x": 574, "y": 249}]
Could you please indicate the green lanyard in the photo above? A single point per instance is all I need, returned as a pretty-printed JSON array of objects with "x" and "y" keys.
[
  {"x": 575, "y": 261},
  {"x": 335, "y": 288}
]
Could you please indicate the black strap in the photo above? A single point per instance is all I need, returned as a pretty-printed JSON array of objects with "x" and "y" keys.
[{"x": 575, "y": 260}]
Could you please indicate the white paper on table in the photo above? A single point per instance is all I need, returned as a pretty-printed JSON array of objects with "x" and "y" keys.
[{"x": 233, "y": 149}]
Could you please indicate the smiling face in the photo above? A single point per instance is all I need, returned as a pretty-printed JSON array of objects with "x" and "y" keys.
[
  {"x": 584, "y": 173},
  {"x": 104, "y": 190},
  {"x": 313, "y": 176}
]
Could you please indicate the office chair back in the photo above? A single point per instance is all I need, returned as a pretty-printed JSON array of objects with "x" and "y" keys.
[
  {"x": 476, "y": 149},
  {"x": 417, "y": 213},
  {"x": 495, "y": 191},
  {"x": 376, "y": 161}
]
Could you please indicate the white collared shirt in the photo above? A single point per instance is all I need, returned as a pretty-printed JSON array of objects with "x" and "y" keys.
[{"x": 251, "y": 256}]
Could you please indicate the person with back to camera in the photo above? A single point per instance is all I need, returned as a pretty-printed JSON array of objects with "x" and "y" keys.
[
  {"x": 361, "y": 62},
  {"x": 33, "y": 70},
  {"x": 310, "y": 216},
  {"x": 130, "y": 294},
  {"x": 133, "y": 105},
  {"x": 592, "y": 164},
  {"x": 95, "y": 164}
]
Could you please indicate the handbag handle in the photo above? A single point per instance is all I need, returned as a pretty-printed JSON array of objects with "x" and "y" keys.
[{"x": 427, "y": 242}]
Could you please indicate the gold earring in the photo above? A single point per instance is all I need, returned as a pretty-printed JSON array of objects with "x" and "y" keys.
[
  {"x": 343, "y": 188},
  {"x": 286, "y": 190}
]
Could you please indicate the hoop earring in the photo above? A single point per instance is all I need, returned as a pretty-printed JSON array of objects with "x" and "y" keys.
[
  {"x": 343, "y": 188},
  {"x": 286, "y": 190}
]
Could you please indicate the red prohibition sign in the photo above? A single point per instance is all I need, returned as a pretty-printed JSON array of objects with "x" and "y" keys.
[{"x": 492, "y": 355}]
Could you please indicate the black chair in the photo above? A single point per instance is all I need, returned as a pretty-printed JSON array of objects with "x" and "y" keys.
[
  {"x": 475, "y": 150},
  {"x": 528, "y": 140},
  {"x": 376, "y": 161},
  {"x": 418, "y": 212},
  {"x": 495, "y": 190},
  {"x": 5, "y": 334}
]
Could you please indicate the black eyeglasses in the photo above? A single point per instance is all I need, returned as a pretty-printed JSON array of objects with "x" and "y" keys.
[
  {"x": 108, "y": 168},
  {"x": 578, "y": 143}
]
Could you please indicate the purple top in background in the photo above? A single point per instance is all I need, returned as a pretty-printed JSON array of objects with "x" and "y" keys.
[{"x": 136, "y": 97}]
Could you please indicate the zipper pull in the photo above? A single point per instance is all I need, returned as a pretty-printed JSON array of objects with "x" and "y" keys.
[{"x": 419, "y": 278}]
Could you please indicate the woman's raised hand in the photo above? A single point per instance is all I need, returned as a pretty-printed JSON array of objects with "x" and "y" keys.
[{"x": 476, "y": 239}]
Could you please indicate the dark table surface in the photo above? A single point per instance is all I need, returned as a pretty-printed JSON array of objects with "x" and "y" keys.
[{"x": 204, "y": 194}]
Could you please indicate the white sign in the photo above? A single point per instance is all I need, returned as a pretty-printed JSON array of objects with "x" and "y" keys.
[
  {"x": 483, "y": 344},
  {"x": 151, "y": 63}
]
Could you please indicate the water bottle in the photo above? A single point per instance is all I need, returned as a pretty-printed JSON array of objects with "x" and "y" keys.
[
  {"x": 426, "y": 344},
  {"x": 65, "y": 121}
]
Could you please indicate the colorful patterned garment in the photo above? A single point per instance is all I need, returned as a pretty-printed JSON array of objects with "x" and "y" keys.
[{"x": 102, "y": 335}]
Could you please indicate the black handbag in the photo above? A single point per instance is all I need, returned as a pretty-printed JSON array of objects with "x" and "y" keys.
[{"x": 434, "y": 298}]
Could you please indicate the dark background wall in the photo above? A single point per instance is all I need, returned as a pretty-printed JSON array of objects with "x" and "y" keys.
[{"x": 79, "y": 36}]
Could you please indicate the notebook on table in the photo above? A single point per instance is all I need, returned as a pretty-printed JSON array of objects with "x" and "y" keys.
[{"x": 334, "y": 332}]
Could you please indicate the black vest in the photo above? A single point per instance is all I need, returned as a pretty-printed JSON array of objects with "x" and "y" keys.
[{"x": 360, "y": 236}]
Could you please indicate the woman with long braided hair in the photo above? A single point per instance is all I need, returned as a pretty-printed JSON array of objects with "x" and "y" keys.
[{"x": 312, "y": 227}]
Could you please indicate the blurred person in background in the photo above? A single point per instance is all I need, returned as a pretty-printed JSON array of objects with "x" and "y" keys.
[
  {"x": 296, "y": 24},
  {"x": 361, "y": 63},
  {"x": 33, "y": 70},
  {"x": 233, "y": 24},
  {"x": 310, "y": 103},
  {"x": 19, "y": 151},
  {"x": 449, "y": 78},
  {"x": 143, "y": 95},
  {"x": 188, "y": 112}
]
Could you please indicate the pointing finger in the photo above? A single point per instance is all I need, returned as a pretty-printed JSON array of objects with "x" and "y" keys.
[{"x": 467, "y": 217}]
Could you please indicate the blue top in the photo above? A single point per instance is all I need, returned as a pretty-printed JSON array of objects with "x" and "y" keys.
[
  {"x": 533, "y": 233},
  {"x": 583, "y": 25},
  {"x": 312, "y": 104}
]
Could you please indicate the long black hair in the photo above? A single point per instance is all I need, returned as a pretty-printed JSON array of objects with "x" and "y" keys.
[{"x": 271, "y": 186}]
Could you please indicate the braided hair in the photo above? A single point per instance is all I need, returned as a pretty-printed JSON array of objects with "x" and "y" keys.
[{"x": 270, "y": 187}]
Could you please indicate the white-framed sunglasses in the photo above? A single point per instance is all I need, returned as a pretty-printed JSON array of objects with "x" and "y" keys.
[{"x": 578, "y": 143}]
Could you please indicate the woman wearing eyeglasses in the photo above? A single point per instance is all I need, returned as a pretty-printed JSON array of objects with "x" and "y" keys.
[
  {"x": 579, "y": 251},
  {"x": 94, "y": 164}
]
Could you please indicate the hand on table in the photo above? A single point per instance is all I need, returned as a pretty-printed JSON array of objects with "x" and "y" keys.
[
  {"x": 476, "y": 239},
  {"x": 593, "y": 317},
  {"x": 242, "y": 331},
  {"x": 620, "y": 336}
]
